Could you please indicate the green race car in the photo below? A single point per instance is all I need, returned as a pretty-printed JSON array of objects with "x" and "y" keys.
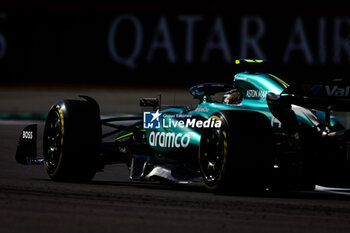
[{"x": 261, "y": 133}]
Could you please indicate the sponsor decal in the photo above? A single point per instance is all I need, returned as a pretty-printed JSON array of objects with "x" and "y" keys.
[
  {"x": 240, "y": 78},
  {"x": 337, "y": 91},
  {"x": 181, "y": 32},
  {"x": 199, "y": 109},
  {"x": 169, "y": 140},
  {"x": 331, "y": 90},
  {"x": 256, "y": 94},
  {"x": 311, "y": 90},
  {"x": 27, "y": 135}
]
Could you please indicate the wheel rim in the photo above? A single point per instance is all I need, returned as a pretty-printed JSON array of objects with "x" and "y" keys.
[
  {"x": 212, "y": 156},
  {"x": 53, "y": 141}
]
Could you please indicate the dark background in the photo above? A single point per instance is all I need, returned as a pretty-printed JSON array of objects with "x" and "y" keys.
[{"x": 169, "y": 42}]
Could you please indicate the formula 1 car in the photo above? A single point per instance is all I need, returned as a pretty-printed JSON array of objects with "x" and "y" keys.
[{"x": 262, "y": 133}]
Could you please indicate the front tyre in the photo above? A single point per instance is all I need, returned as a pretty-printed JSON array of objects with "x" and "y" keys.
[
  {"x": 212, "y": 156},
  {"x": 238, "y": 155},
  {"x": 72, "y": 141}
]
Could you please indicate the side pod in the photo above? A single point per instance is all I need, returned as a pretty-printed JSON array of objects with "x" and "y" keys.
[{"x": 26, "y": 149}]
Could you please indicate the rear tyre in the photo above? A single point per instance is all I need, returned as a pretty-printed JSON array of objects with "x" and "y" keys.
[
  {"x": 237, "y": 156},
  {"x": 72, "y": 141}
]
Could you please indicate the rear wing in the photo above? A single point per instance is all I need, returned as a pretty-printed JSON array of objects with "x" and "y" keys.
[
  {"x": 333, "y": 96},
  {"x": 327, "y": 97}
]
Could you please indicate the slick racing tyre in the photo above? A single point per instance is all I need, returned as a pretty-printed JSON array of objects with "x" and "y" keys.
[
  {"x": 237, "y": 156},
  {"x": 72, "y": 140}
]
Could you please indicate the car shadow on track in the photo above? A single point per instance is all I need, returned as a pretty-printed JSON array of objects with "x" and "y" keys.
[
  {"x": 198, "y": 188},
  {"x": 155, "y": 185},
  {"x": 329, "y": 194}
]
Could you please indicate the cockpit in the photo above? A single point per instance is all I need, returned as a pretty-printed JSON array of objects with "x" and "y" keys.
[{"x": 232, "y": 97}]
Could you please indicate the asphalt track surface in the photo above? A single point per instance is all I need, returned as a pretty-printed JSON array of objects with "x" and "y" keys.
[{"x": 31, "y": 202}]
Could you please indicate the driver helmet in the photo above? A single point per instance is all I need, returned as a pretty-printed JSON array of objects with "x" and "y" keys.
[{"x": 232, "y": 96}]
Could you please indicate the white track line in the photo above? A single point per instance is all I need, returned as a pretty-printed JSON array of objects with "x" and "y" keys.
[{"x": 20, "y": 122}]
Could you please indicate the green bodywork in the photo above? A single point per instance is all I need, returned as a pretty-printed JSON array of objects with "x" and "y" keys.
[
  {"x": 169, "y": 144},
  {"x": 254, "y": 88}
]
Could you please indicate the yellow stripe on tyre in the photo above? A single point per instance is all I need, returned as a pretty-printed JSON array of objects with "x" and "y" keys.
[
  {"x": 223, "y": 167},
  {"x": 52, "y": 174}
]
